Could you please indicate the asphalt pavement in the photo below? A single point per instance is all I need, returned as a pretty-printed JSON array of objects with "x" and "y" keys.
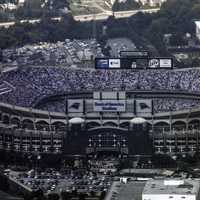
[{"x": 129, "y": 191}]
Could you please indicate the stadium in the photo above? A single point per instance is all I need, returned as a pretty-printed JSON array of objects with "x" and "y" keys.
[{"x": 70, "y": 112}]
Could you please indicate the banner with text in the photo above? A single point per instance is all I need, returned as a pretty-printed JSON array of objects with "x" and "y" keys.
[{"x": 109, "y": 105}]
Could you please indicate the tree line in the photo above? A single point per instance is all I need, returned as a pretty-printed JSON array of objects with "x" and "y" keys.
[{"x": 146, "y": 30}]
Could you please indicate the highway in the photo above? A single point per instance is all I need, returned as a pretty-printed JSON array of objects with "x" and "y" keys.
[
  {"x": 89, "y": 17},
  {"x": 119, "y": 14}
]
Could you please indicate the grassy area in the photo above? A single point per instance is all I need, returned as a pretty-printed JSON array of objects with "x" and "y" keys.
[{"x": 82, "y": 10}]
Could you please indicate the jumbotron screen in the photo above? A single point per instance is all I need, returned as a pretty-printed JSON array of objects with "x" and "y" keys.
[
  {"x": 134, "y": 54},
  {"x": 133, "y": 63}
]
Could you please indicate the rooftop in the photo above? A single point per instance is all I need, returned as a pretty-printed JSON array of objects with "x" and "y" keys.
[
  {"x": 172, "y": 186},
  {"x": 197, "y": 23}
]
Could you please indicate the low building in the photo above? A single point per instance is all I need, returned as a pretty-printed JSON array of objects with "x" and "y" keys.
[
  {"x": 8, "y": 6},
  {"x": 197, "y": 23},
  {"x": 171, "y": 189},
  {"x": 151, "y": 3}
]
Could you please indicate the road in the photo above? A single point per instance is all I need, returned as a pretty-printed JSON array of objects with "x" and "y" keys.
[
  {"x": 119, "y": 14},
  {"x": 131, "y": 191},
  {"x": 82, "y": 18}
]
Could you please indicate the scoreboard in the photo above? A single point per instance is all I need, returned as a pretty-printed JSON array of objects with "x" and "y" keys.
[
  {"x": 134, "y": 63},
  {"x": 134, "y": 60},
  {"x": 107, "y": 63},
  {"x": 134, "y": 54}
]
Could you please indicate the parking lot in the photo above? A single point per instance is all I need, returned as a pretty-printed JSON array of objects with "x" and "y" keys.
[
  {"x": 120, "y": 44},
  {"x": 54, "y": 181},
  {"x": 129, "y": 191}
]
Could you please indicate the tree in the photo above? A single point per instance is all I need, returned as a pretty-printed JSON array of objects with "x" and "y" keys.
[
  {"x": 106, "y": 51},
  {"x": 66, "y": 195},
  {"x": 4, "y": 184},
  {"x": 60, "y": 4},
  {"x": 196, "y": 62},
  {"x": 31, "y": 9},
  {"x": 53, "y": 196},
  {"x": 177, "y": 40},
  {"x": 127, "y": 5},
  {"x": 82, "y": 196},
  {"x": 102, "y": 196}
]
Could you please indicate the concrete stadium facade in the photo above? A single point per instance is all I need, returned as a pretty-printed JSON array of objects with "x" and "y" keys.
[{"x": 37, "y": 131}]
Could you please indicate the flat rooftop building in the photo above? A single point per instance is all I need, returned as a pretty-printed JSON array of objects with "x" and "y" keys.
[
  {"x": 197, "y": 23},
  {"x": 172, "y": 189}
]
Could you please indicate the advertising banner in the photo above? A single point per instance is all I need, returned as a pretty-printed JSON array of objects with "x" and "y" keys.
[
  {"x": 114, "y": 63},
  {"x": 102, "y": 63},
  {"x": 109, "y": 105},
  {"x": 134, "y": 63},
  {"x": 154, "y": 63},
  {"x": 165, "y": 63}
]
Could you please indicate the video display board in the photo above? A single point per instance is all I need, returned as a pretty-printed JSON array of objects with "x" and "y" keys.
[
  {"x": 160, "y": 63},
  {"x": 134, "y": 63},
  {"x": 107, "y": 63},
  {"x": 134, "y": 54}
]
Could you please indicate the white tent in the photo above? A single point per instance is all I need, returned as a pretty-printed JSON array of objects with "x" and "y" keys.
[
  {"x": 76, "y": 120},
  {"x": 138, "y": 120}
]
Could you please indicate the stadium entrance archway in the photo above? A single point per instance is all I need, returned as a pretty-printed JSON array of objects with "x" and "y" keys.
[{"x": 107, "y": 141}]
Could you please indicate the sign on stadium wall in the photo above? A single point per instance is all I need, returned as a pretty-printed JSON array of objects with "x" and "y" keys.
[
  {"x": 160, "y": 63},
  {"x": 114, "y": 63},
  {"x": 134, "y": 54},
  {"x": 75, "y": 105},
  {"x": 107, "y": 63},
  {"x": 134, "y": 63},
  {"x": 109, "y": 95},
  {"x": 154, "y": 63},
  {"x": 109, "y": 105},
  {"x": 144, "y": 107},
  {"x": 166, "y": 63}
]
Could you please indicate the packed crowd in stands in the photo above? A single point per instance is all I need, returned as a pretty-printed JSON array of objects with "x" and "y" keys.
[
  {"x": 170, "y": 104},
  {"x": 160, "y": 105},
  {"x": 31, "y": 84}
]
